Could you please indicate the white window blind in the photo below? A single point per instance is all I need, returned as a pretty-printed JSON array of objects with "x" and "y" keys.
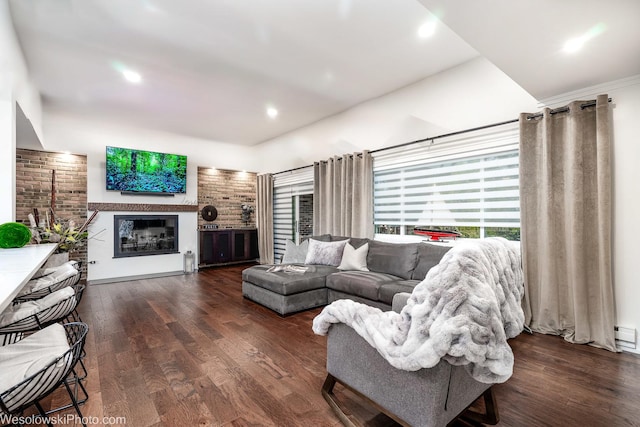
[
  {"x": 469, "y": 181},
  {"x": 285, "y": 186}
]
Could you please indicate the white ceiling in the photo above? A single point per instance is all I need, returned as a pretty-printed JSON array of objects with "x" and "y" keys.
[
  {"x": 525, "y": 39},
  {"x": 210, "y": 68}
]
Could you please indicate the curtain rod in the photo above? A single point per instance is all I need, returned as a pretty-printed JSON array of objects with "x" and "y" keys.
[
  {"x": 291, "y": 170},
  {"x": 417, "y": 141},
  {"x": 308, "y": 166},
  {"x": 533, "y": 116},
  {"x": 444, "y": 135},
  {"x": 565, "y": 109},
  {"x": 558, "y": 110}
]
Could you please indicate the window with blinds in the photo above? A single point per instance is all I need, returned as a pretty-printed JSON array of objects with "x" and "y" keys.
[
  {"x": 470, "y": 185},
  {"x": 287, "y": 191}
]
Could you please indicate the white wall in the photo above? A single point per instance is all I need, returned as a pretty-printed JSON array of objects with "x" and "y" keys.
[
  {"x": 15, "y": 86},
  {"x": 7, "y": 160},
  {"x": 473, "y": 94},
  {"x": 90, "y": 137},
  {"x": 626, "y": 176}
]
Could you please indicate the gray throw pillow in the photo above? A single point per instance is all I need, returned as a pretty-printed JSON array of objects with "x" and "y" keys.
[
  {"x": 325, "y": 253},
  {"x": 398, "y": 259},
  {"x": 295, "y": 254},
  {"x": 429, "y": 255}
]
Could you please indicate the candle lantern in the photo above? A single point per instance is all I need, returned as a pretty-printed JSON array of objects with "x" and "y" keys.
[{"x": 189, "y": 262}]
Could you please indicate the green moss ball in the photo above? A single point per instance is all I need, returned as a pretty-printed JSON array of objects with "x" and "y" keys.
[{"x": 14, "y": 235}]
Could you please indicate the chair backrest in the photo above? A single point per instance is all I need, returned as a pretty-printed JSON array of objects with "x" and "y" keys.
[
  {"x": 47, "y": 316},
  {"x": 42, "y": 292},
  {"x": 47, "y": 379}
]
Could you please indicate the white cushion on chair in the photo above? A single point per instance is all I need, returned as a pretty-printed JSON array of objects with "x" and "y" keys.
[
  {"x": 53, "y": 275},
  {"x": 23, "y": 310},
  {"x": 48, "y": 270},
  {"x": 26, "y": 357}
]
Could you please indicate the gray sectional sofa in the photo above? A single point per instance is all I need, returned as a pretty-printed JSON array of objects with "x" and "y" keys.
[{"x": 393, "y": 268}]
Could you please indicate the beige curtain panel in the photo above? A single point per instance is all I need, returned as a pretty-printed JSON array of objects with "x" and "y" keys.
[
  {"x": 343, "y": 196},
  {"x": 264, "y": 218},
  {"x": 565, "y": 197}
]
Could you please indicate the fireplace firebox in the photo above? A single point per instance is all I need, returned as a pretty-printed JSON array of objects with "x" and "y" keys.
[{"x": 140, "y": 235}]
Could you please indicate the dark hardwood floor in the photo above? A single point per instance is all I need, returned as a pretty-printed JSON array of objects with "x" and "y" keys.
[{"x": 190, "y": 351}]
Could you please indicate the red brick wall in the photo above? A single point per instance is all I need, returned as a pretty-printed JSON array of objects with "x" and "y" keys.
[
  {"x": 33, "y": 187},
  {"x": 227, "y": 191}
]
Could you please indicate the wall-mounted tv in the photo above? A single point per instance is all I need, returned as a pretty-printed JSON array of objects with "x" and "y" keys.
[{"x": 139, "y": 171}]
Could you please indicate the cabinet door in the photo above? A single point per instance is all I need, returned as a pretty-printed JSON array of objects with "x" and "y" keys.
[
  {"x": 239, "y": 245},
  {"x": 222, "y": 246},
  {"x": 253, "y": 245},
  {"x": 215, "y": 247},
  {"x": 206, "y": 248},
  {"x": 245, "y": 245}
]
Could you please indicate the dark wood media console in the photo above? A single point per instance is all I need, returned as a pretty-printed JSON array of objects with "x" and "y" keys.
[{"x": 227, "y": 246}]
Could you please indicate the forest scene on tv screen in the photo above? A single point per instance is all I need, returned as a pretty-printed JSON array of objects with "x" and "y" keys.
[{"x": 145, "y": 171}]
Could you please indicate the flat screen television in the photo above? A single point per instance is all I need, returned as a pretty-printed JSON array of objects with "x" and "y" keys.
[{"x": 140, "y": 171}]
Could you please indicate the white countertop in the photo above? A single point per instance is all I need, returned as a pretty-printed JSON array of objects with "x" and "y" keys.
[{"x": 17, "y": 265}]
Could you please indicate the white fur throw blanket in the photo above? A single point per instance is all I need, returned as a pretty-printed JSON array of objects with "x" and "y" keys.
[{"x": 463, "y": 312}]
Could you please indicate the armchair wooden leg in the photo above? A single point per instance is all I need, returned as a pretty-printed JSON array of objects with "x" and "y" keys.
[
  {"x": 491, "y": 415},
  {"x": 327, "y": 393}
]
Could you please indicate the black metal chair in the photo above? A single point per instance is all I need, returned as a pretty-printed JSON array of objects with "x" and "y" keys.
[
  {"x": 64, "y": 310},
  {"x": 35, "y": 290},
  {"x": 60, "y": 371},
  {"x": 46, "y": 316}
]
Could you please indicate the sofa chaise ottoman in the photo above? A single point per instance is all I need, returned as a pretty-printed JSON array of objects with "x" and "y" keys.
[{"x": 287, "y": 292}]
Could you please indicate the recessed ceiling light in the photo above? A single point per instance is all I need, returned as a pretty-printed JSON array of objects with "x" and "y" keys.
[
  {"x": 272, "y": 112},
  {"x": 575, "y": 44},
  {"x": 132, "y": 76},
  {"x": 427, "y": 29},
  {"x": 129, "y": 75}
]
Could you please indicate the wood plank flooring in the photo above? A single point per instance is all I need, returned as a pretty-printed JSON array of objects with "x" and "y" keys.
[{"x": 190, "y": 351}]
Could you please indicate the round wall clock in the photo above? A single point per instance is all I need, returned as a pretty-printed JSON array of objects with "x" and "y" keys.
[{"x": 209, "y": 213}]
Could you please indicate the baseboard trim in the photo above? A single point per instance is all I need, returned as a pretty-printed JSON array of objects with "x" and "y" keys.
[{"x": 131, "y": 278}]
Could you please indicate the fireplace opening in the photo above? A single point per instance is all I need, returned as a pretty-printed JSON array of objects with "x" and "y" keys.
[{"x": 141, "y": 235}]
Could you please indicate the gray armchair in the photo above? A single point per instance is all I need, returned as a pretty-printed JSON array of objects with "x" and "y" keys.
[{"x": 427, "y": 397}]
